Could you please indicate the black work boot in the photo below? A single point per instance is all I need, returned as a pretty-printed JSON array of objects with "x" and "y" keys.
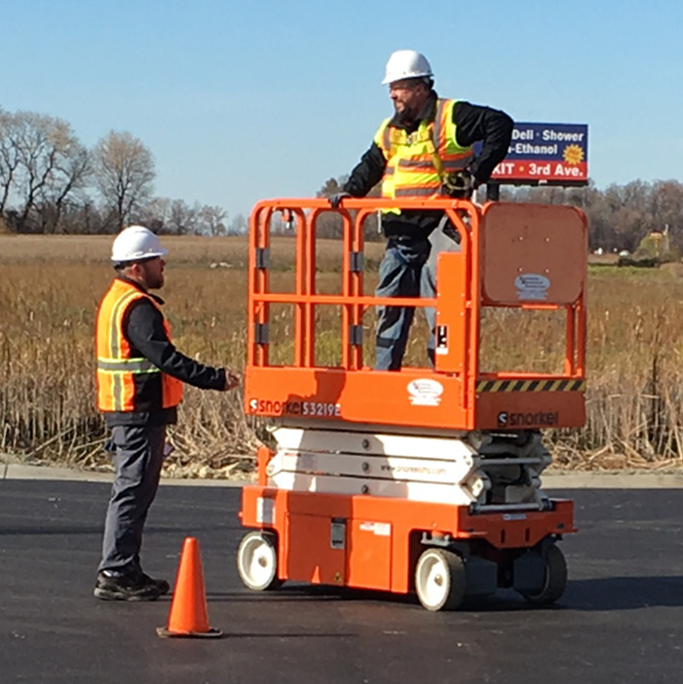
[
  {"x": 161, "y": 584},
  {"x": 121, "y": 586}
]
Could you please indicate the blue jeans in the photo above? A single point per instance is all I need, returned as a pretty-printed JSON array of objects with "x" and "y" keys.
[{"x": 402, "y": 273}]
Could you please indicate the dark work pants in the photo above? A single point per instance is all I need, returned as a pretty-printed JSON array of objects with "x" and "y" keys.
[{"x": 138, "y": 456}]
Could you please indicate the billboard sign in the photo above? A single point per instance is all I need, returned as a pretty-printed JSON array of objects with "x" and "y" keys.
[{"x": 545, "y": 153}]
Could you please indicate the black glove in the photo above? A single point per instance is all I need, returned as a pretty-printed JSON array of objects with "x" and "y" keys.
[
  {"x": 335, "y": 200},
  {"x": 460, "y": 185}
]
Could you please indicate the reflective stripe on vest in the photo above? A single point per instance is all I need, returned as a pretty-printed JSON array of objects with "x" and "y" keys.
[
  {"x": 141, "y": 365},
  {"x": 418, "y": 162},
  {"x": 116, "y": 368}
]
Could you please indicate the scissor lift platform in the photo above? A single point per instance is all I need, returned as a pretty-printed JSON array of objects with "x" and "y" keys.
[{"x": 427, "y": 479}]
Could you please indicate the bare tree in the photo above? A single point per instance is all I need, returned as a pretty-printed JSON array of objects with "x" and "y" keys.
[
  {"x": 164, "y": 215},
  {"x": 156, "y": 214},
  {"x": 68, "y": 176},
  {"x": 42, "y": 164},
  {"x": 213, "y": 220},
  {"x": 124, "y": 173},
  {"x": 238, "y": 225},
  {"x": 9, "y": 159},
  {"x": 183, "y": 218}
]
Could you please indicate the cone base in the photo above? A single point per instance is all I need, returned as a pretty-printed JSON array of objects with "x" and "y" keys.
[{"x": 211, "y": 634}]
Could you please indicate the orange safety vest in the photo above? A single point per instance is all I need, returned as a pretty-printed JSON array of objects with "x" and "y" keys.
[
  {"x": 418, "y": 162},
  {"x": 122, "y": 377}
]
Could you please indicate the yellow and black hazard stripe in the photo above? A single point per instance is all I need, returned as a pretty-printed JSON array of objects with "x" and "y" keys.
[{"x": 531, "y": 386}]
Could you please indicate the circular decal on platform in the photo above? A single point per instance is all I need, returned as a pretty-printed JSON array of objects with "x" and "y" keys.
[{"x": 425, "y": 392}]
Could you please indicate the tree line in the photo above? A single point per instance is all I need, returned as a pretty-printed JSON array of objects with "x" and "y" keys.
[
  {"x": 51, "y": 183},
  {"x": 619, "y": 217}
]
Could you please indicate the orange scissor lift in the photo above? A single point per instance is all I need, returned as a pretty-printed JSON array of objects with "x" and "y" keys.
[{"x": 423, "y": 480}]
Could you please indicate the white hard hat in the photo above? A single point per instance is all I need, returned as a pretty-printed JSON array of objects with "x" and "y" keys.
[
  {"x": 406, "y": 64},
  {"x": 135, "y": 243}
]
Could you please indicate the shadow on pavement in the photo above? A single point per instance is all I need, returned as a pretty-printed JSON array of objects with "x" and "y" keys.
[
  {"x": 52, "y": 530},
  {"x": 624, "y": 593},
  {"x": 600, "y": 594},
  {"x": 63, "y": 530},
  {"x": 288, "y": 635}
]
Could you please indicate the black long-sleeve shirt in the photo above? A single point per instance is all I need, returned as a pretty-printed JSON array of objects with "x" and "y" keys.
[
  {"x": 143, "y": 327},
  {"x": 473, "y": 123}
]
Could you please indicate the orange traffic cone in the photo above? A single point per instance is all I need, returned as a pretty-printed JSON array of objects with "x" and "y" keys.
[{"x": 188, "y": 616}]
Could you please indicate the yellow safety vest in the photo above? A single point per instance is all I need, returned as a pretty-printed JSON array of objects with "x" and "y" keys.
[
  {"x": 122, "y": 379},
  {"x": 418, "y": 162}
]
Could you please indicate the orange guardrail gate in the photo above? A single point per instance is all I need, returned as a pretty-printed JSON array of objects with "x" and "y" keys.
[{"x": 512, "y": 257}]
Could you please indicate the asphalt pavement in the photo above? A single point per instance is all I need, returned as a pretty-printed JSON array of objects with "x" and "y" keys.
[{"x": 620, "y": 620}]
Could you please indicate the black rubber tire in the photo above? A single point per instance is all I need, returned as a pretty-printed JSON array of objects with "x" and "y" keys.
[
  {"x": 555, "y": 581},
  {"x": 440, "y": 579}
]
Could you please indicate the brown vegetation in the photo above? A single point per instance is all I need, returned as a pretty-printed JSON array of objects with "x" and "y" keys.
[{"x": 49, "y": 289}]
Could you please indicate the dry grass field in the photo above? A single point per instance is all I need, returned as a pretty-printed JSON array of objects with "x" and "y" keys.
[{"x": 50, "y": 287}]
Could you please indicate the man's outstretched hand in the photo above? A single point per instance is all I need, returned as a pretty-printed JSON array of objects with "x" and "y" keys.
[{"x": 231, "y": 381}]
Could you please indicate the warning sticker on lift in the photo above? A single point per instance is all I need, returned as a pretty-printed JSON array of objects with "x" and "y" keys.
[
  {"x": 442, "y": 339},
  {"x": 379, "y": 529},
  {"x": 531, "y": 386}
]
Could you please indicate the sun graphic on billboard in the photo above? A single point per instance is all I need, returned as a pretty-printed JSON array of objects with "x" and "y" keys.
[{"x": 573, "y": 154}]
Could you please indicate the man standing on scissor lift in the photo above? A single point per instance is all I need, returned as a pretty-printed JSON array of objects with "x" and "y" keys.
[{"x": 424, "y": 150}]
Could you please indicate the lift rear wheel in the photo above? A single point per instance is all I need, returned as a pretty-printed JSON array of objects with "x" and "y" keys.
[
  {"x": 555, "y": 580},
  {"x": 257, "y": 561},
  {"x": 440, "y": 579}
]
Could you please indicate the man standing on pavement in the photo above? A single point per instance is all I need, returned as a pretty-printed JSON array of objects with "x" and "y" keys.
[
  {"x": 139, "y": 386},
  {"x": 424, "y": 150}
]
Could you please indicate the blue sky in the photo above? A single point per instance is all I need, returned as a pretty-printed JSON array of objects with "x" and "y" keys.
[{"x": 241, "y": 101}]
